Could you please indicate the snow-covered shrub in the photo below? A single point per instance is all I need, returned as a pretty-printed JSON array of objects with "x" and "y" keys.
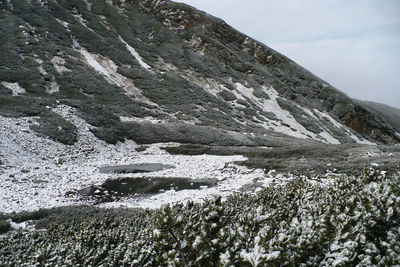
[
  {"x": 190, "y": 233},
  {"x": 342, "y": 221}
]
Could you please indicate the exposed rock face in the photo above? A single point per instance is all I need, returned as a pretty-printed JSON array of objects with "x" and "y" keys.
[
  {"x": 125, "y": 64},
  {"x": 370, "y": 124}
]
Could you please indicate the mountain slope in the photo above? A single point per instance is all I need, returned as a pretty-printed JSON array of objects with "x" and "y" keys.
[
  {"x": 124, "y": 65},
  {"x": 110, "y": 109}
]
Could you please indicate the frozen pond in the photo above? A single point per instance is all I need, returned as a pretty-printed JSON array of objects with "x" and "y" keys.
[{"x": 114, "y": 189}]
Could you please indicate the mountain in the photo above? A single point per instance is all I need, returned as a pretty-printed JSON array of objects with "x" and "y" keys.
[
  {"x": 92, "y": 84},
  {"x": 122, "y": 64},
  {"x": 149, "y": 133}
]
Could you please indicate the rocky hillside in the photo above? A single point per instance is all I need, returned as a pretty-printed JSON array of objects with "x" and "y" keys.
[
  {"x": 129, "y": 85},
  {"x": 159, "y": 71},
  {"x": 112, "y": 110}
]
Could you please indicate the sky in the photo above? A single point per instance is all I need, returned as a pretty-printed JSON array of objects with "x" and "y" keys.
[{"x": 353, "y": 45}]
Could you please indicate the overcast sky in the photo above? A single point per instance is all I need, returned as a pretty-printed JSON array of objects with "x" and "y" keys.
[{"x": 353, "y": 45}]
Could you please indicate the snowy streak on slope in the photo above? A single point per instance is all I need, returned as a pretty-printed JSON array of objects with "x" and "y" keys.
[
  {"x": 91, "y": 61},
  {"x": 83, "y": 22},
  {"x": 14, "y": 87},
  {"x": 108, "y": 69},
  {"x": 64, "y": 24},
  {"x": 325, "y": 134},
  {"x": 267, "y": 105},
  {"x": 243, "y": 93},
  {"x": 340, "y": 126},
  {"x": 135, "y": 55},
  {"x": 271, "y": 105}
]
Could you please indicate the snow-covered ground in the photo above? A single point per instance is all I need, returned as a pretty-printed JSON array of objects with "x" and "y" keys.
[{"x": 37, "y": 172}]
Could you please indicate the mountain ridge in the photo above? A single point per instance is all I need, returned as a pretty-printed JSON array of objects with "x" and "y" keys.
[{"x": 177, "y": 55}]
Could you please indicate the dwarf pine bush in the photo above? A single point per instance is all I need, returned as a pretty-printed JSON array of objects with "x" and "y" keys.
[{"x": 343, "y": 221}]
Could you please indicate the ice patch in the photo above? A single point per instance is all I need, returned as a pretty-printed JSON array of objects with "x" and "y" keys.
[
  {"x": 15, "y": 88},
  {"x": 135, "y": 54}
]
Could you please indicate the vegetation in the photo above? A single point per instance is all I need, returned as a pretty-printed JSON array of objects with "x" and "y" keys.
[
  {"x": 346, "y": 221},
  {"x": 303, "y": 158},
  {"x": 4, "y": 226}
]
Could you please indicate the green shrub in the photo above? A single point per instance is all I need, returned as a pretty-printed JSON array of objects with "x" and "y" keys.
[{"x": 4, "y": 227}]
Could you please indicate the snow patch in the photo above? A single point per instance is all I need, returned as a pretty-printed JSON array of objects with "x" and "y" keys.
[
  {"x": 108, "y": 69},
  {"x": 42, "y": 70},
  {"x": 17, "y": 226},
  {"x": 327, "y": 134},
  {"x": 208, "y": 84},
  {"x": 135, "y": 55},
  {"x": 329, "y": 138},
  {"x": 52, "y": 88},
  {"x": 146, "y": 119},
  {"x": 196, "y": 43},
  {"x": 58, "y": 63},
  {"x": 15, "y": 88},
  {"x": 158, "y": 3},
  {"x": 41, "y": 171}
]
